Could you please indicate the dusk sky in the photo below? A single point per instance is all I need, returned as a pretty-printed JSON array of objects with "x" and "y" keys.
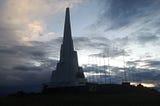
[{"x": 31, "y": 32}]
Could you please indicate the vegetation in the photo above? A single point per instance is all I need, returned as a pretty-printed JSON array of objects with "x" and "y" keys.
[{"x": 129, "y": 96}]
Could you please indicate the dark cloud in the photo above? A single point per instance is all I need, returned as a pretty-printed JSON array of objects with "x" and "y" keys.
[
  {"x": 124, "y": 12},
  {"x": 6, "y": 51},
  {"x": 95, "y": 69},
  {"x": 22, "y": 55},
  {"x": 147, "y": 38},
  {"x": 133, "y": 74},
  {"x": 37, "y": 52},
  {"x": 97, "y": 74},
  {"x": 81, "y": 42},
  {"x": 122, "y": 42},
  {"x": 90, "y": 42},
  {"x": 153, "y": 64},
  {"x": 132, "y": 63},
  {"x": 27, "y": 77},
  {"x": 8, "y": 35},
  {"x": 117, "y": 47},
  {"x": 26, "y": 67},
  {"x": 112, "y": 52},
  {"x": 136, "y": 19},
  {"x": 146, "y": 75}
]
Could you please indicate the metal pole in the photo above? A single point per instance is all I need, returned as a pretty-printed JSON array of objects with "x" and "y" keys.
[
  {"x": 109, "y": 68},
  {"x": 125, "y": 79},
  {"x": 96, "y": 69},
  {"x": 88, "y": 69},
  {"x": 104, "y": 67}
]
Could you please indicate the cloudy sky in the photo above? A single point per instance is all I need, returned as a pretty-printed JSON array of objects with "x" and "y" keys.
[{"x": 31, "y": 31}]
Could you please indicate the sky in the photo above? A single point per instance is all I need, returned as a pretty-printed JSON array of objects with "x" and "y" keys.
[{"x": 125, "y": 32}]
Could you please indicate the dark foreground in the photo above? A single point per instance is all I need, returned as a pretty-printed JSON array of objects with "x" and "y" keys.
[{"x": 131, "y": 96}]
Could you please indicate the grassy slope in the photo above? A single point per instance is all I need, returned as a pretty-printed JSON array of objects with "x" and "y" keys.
[
  {"x": 135, "y": 97},
  {"x": 63, "y": 99}
]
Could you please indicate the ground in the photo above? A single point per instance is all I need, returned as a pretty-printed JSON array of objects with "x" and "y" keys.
[{"x": 137, "y": 97}]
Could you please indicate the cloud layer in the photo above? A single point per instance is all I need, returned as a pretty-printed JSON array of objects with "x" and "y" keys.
[{"x": 29, "y": 47}]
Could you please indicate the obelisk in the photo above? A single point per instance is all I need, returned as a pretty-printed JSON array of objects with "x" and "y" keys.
[{"x": 68, "y": 72}]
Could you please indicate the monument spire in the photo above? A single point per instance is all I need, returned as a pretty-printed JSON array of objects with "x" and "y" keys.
[
  {"x": 67, "y": 72},
  {"x": 67, "y": 46},
  {"x": 67, "y": 39}
]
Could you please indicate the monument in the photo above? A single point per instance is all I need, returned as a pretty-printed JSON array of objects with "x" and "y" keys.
[{"x": 68, "y": 72}]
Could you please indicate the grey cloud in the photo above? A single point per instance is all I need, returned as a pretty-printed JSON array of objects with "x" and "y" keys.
[
  {"x": 139, "y": 38},
  {"x": 81, "y": 42},
  {"x": 147, "y": 38},
  {"x": 112, "y": 52},
  {"x": 18, "y": 67},
  {"x": 47, "y": 65},
  {"x": 27, "y": 68},
  {"x": 116, "y": 46},
  {"x": 150, "y": 63},
  {"x": 25, "y": 55},
  {"x": 38, "y": 54},
  {"x": 137, "y": 19},
  {"x": 146, "y": 75},
  {"x": 26, "y": 77},
  {"x": 26, "y": 81},
  {"x": 118, "y": 52},
  {"x": 153, "y": 64},
  {"x": 91, "y": 42},
  {"x": 122, "y": 42},
  {"x": 133, "y": 74},
  {"x": 123, "y": 12},
  {"x": 131, "y": 63},
  {"x": 6, "y": 51},
  {"x": 8, "y": 35},
  {"x": 24, "y": 52},
  {"x": 95, "y": 69}
]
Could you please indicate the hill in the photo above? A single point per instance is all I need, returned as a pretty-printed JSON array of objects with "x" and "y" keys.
[{"x": 91, "y": 94}]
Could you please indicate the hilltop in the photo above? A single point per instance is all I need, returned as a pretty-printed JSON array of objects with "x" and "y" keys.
[{"x": 91, "y": 94}]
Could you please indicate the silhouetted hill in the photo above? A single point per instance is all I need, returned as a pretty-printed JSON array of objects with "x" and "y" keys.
[
  {"x": 92, "y": 94},
  {"x": 92, "y": 88}
]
